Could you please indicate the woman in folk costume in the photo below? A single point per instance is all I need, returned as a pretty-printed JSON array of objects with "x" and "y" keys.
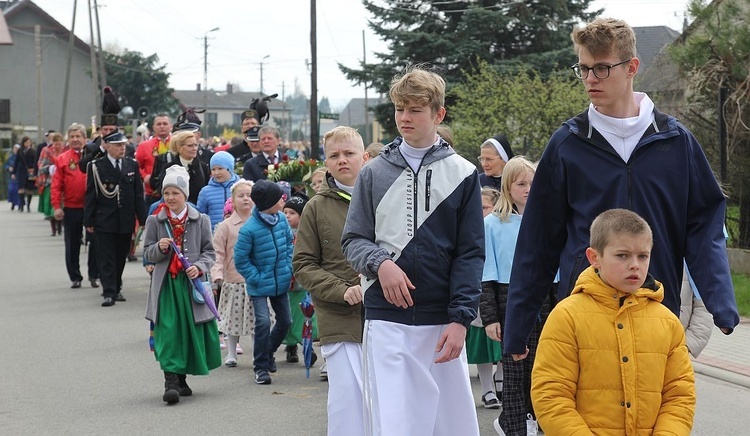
[
  {"x": 46, "y": 168},
  {"x": 186, "y": 338}
]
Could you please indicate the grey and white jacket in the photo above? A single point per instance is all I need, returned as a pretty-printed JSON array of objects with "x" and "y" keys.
[{"x": 429, "y": 223}]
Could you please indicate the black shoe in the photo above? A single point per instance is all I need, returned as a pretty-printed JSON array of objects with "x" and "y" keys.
[
  {"x": 108, "y": 301},
  {"x": 171, "y": 388},
  {"x": 291, "y": 354},
  {"x": 132, "y": 258},
  {"x": 76, "y": 284},
  {"x": 119, "y": 297},
  {"x": 272, "y": 365},
  {"x": 262, "y": 378},
  {"x": 184, "y": 390},
  {"x": 314, "y": 358},
  {"x": 94, "y": 283}
]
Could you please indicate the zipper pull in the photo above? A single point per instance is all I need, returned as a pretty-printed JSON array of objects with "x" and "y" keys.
[{"x": 427, "y": 191}]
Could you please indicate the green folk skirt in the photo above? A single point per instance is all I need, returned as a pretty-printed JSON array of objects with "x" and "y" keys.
[
  {"x": 480, "y": 348},
  {"x": 294, "y": 335},
  {"x": 180, "y": 345}
]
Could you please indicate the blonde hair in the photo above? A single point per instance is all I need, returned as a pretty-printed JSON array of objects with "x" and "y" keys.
[
  {"x": 418, "y": 86},
  {"x": 516, "y": 167},
  {"x": 178, "y": 139},
  {"x": 491, "y": 194},
  {"x": 616, "y": 222},
  {"x": 446, "y": 133},
  {"x": 237, "y": 184},
  {"x": 344, "y": 134},
  {"x": 605, "y": 36},
  {"x": 321, "y": 170}
]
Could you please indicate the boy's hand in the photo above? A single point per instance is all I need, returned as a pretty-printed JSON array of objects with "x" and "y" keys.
[
  {"x": 517, "y": 357},
  {"x": 494, "y": 331},
  {"x": 395, "y": 284},
  {"x": 353, "y": 295},
  {"x": 451, "y": 342}
]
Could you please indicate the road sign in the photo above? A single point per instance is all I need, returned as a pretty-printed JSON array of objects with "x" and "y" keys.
[{"x": 328, "y": 116}]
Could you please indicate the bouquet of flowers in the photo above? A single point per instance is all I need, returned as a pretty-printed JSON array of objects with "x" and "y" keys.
[{"x": 294, "y": 171}]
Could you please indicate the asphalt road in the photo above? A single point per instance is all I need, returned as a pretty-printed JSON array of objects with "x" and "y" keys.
[{"x": 71, "y": 367}]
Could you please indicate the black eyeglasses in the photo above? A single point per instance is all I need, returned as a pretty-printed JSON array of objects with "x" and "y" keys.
[{"x": 601, "y": 71}]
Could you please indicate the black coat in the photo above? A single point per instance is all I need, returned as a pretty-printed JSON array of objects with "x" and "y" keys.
[
  {"x": 114, "y": 215},
  {"x": 198, "y": 171},
  {"x": 25, "y": 161}
]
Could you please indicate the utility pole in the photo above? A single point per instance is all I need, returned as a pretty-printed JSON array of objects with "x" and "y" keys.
[
  {"x": 367, "y": 105},
  {"x": 94, "y": 69},
  {"x": 261, "y": 73},
  {"x": 38, "y": 51},
  {"x": 205, "y": 81},
  {"x": 71, "y": 44},
  {"x": 314, "y": 127},
  {"x": 102, "y": 71}
]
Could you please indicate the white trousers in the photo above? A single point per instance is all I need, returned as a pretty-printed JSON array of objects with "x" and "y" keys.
[
  {"x": 406, "y": 393},
  {"x": 345, "y": 410}
]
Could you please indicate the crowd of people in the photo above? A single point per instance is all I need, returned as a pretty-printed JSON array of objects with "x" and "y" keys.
[{"x": 560, "y": 280}]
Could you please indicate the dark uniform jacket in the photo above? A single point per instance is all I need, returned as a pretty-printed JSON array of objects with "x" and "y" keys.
[
  {"x": 118, "y": 213},
  {"x": 198, "y": 171}
]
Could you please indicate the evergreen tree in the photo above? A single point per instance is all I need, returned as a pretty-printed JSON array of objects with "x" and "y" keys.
[
  {"x": 455, "y": 36},
  {"x": 140, "y": 81}
]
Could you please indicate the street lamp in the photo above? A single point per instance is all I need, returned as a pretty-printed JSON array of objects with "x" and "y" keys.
[
  {"x": 205, "y": 80},
  {"x": 261, "y": 72}
]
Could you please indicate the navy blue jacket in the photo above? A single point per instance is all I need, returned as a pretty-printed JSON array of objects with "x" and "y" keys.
[{"x": 667, "y": 181}]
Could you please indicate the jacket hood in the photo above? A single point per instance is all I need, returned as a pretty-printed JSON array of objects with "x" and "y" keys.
[
  {"x": 392, "y": 154},
  {"x": 228, "y": 183},
  {"x": 590, "y": 283},
  {"x": 329, "y": 189}
]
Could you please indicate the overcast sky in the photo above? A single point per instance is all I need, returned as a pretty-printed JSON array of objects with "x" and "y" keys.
[{"x": 250, "y": 30}]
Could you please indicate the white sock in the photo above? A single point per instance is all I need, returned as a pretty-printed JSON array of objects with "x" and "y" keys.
[
  {"x": 499, "y": 378},
  {"x": 485, "y": 377},
  {"x": 232, "y": 345}
]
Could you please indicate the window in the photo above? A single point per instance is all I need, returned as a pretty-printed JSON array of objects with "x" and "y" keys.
[
  {"x": 211, "y": 118},
  {"x": 237, "y": 119}
]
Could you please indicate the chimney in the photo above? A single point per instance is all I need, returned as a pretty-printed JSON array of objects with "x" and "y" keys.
[
  {"x": 229, "y": 88},
  {"x": 197, "y": 86}
]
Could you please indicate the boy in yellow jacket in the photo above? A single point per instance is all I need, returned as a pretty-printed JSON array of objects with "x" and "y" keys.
[{"x": 611, "y": 359}]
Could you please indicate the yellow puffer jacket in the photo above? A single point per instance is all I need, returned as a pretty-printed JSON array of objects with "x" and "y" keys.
[{"x": 611, "y": 363}]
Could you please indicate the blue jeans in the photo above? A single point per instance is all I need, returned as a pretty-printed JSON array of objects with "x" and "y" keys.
[{"x": 266, "y": 339}]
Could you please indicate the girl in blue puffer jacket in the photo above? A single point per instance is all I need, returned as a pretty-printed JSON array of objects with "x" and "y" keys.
[{"x": 213, "y": 196}]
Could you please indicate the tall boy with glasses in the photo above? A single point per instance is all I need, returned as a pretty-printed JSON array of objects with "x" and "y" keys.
[{"x": 619, "y": 153}]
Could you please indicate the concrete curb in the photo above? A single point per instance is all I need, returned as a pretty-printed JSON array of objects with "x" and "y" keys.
[{"x": 721, "y": 374}]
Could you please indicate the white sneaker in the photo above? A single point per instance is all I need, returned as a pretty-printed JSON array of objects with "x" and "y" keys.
[
  {"x": 532, "y": 427},
  {"x": 230, "y": 361},
  {"x": 324, "y": 372},
  {"x": 498, "y": 429}
]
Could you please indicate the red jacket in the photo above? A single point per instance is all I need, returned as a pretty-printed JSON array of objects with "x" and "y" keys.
[
  {"x": 145, "y": 155},
  {"x": 68, "y": 182}
]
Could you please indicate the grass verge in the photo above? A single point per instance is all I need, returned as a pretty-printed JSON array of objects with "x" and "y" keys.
[{"x": 742, "y": 293}]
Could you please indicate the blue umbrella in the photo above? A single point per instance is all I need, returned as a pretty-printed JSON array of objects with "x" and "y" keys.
[{"x": 308, "y": 309}]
